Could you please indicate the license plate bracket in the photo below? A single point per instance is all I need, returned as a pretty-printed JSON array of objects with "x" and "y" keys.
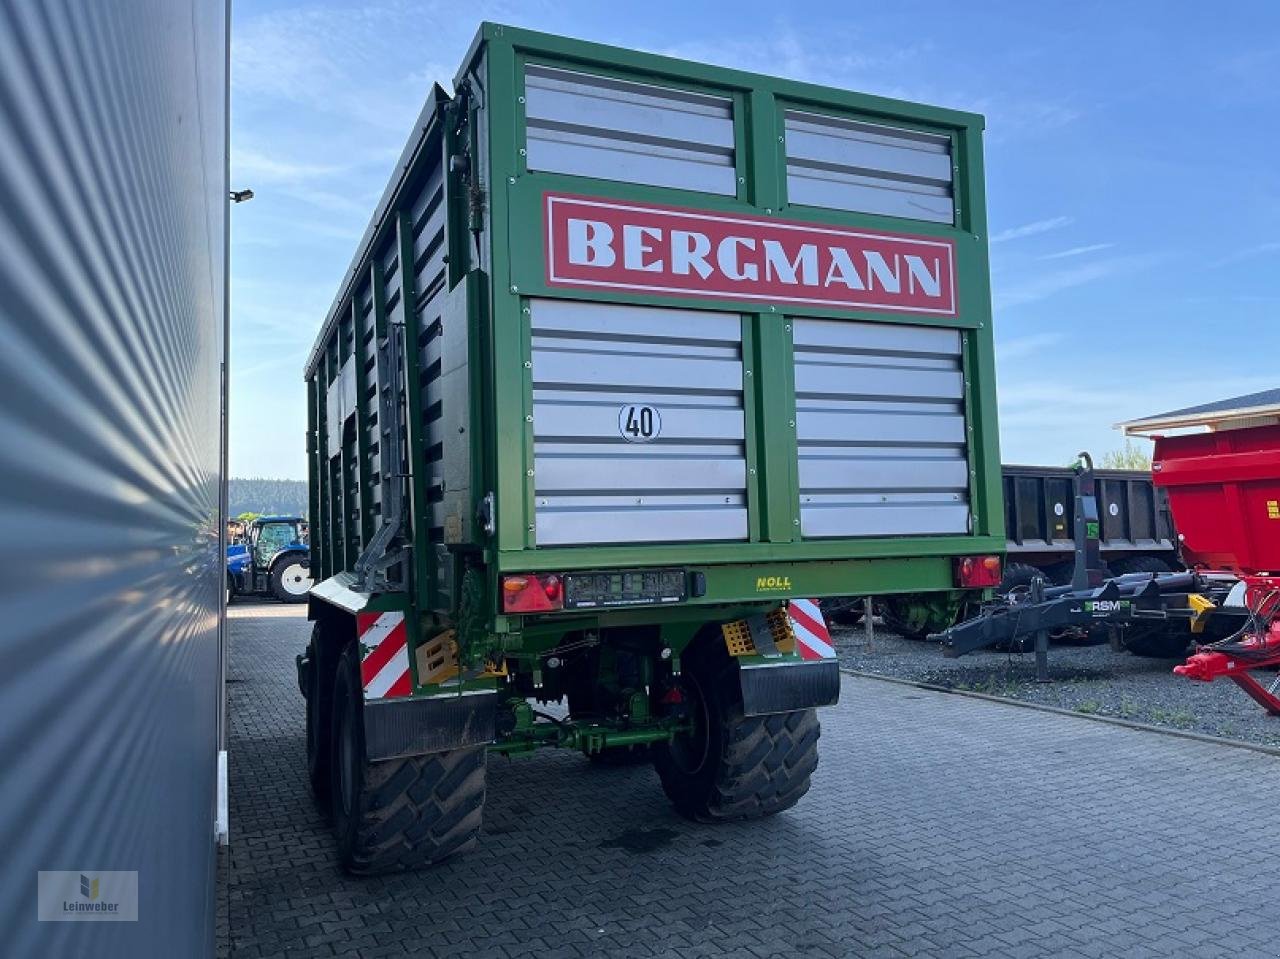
[{"x": 615, "y": 588}]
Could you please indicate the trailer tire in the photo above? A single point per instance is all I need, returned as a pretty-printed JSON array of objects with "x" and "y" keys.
[
  {"x": 734, "y": 767},
  {"x": 1140, "y": 564},
  {"x": 287, "y": 581},
  {"x": 398, "y": 814},
  {"x": 1019, "y": 576},
  {"x": 1159, "y": 642},
  {"x": 319, "y": 705}
]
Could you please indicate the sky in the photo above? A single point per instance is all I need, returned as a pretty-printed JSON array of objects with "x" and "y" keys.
[{"x": 1132, "y": 158}]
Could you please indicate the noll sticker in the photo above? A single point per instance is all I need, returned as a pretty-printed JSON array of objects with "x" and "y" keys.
[{"x": 639, "y": 423}]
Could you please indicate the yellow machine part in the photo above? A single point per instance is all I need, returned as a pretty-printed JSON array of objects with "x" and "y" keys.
[
  {"x": 1200, "y": 607},
  {"x": 438, "y": 661},
  {"x": 438, "y": 658},
  {"x": 737, "y": 635}
]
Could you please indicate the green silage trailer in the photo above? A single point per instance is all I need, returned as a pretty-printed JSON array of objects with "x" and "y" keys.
[{"x": 636, "y": 359}]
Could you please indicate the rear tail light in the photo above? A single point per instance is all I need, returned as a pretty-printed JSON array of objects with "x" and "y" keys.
[
  {"x": 540, "y": 593},
  {"x": 978, "y": 572}
]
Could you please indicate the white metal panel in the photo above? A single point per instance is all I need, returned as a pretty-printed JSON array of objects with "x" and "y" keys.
[
  {"x": 687, "y": 483},
  {"x": 868, "y": 168},
  {"x": 594, "y": 126},
  {"x": 881, "y": 429}
]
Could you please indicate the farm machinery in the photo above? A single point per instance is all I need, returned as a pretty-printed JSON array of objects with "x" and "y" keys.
[
  {"x": 1224, "y": 491},
  {"x": 273, "y": 559}
]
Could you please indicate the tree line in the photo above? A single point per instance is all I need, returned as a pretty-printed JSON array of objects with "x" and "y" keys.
[{"x": 267, "y": 497}]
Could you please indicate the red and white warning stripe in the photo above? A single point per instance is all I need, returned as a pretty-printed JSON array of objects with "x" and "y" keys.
[
  {"x": 813, "y": 641},
  {"x": 384, "y": 666}
]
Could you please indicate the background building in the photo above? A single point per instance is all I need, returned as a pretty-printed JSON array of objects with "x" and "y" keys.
[{"x": 113, "y": 220}]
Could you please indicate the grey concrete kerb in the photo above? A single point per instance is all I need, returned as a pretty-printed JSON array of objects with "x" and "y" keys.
[{"x": 1058, "y": 710}]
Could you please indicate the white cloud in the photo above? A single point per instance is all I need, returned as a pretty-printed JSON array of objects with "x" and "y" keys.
[
  {"x": 1248, "y": 253},
  {"x": 1078, "y": 251},
  {"x": 1021, "y": 347},
  {"x": 335, "y": 61},
  {"x": 1031, "y": 287},
  {"x": 261, "y": 167},
  {"x": 1032, "y": 229}
]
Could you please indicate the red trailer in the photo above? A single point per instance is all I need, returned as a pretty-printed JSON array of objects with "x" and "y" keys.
[{"x": 1223, "y": 484}]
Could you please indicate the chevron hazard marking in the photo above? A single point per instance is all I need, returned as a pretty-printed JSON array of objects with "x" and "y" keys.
[
  {"x": 813, "y": 641},
  {"x": 384, "y": 668}
]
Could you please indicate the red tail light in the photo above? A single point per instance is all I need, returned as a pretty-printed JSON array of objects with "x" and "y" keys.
[
  {"x": 540, "y": 593},
  {"x": 978, "y": 572}
]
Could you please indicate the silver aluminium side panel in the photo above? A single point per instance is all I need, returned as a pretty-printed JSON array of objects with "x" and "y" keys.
[
  {"x": 595, "y": 126},
  {"x": 881, "y": 429},
  {"x": 842, "y": 164},
  {"x": 596, "y": 367}
]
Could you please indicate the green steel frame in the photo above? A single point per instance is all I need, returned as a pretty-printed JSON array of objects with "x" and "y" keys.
[{"x": 502, "y": 432}]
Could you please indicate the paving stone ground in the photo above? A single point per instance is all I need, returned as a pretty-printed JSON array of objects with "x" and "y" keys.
[{"x": 937, "y": 826}]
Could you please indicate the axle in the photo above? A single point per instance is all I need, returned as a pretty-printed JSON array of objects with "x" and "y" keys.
[{"x": 590, "y": 736}]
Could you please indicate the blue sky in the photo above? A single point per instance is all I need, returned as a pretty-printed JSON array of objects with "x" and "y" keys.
[{"x": 1133, "y": 178}]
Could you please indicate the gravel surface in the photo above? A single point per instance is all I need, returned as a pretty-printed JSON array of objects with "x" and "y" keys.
[{"x": 1085, "y": 679}]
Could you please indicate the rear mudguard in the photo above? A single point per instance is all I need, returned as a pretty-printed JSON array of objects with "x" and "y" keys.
[{"x": 787, "y": 686}]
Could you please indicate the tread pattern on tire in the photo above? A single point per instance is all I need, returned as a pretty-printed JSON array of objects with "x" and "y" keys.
[
  {"x": 419, "y": 810},
  {"x": 409, "y": 812},
  {"x": 763, "y": 764},
  {"x": 767, "y": 765},
  {"x": 1170, "y": 643},
  {"x": 318, "y": 704},
  {"x": 1141, "y": 564}
]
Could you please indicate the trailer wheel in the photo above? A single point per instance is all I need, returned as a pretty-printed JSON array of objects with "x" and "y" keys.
[
  {"x": 1019, "y": 576},
  {"x": 290, "y": 580},
  {"x": 319, "y": 700},
  {"x": 399, "y": 813},
  {"x": 1140, "y": 564},
  {"x": 1157, "y": 642},
  {"x": 733, "y": 766}
]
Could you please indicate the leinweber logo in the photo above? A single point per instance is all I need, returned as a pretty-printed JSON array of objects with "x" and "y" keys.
[
  {"x": 93, "y": 897},
  {"x": 640, "y": 247}
]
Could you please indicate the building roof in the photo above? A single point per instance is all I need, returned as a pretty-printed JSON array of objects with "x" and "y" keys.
[{"x": 1252, "y": 409}]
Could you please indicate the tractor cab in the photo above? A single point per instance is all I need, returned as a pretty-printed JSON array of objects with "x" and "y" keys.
[{"x": 274, "y": 559}]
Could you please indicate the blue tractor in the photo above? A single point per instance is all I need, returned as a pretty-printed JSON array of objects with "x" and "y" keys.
[{"x": 274, "y": 559}]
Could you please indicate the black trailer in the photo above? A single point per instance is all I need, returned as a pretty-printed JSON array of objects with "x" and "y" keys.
[
  {"x": 1136, "y": 535},
  {"x": 1136, "y": 527},
  {"x": 1150, "y": 613}
]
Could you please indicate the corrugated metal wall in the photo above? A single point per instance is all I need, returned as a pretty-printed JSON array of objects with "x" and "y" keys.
[{"x": 112, "y": 225}]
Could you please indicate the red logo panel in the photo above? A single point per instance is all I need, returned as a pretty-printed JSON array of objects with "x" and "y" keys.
[{"x": 645, "y": 248}]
